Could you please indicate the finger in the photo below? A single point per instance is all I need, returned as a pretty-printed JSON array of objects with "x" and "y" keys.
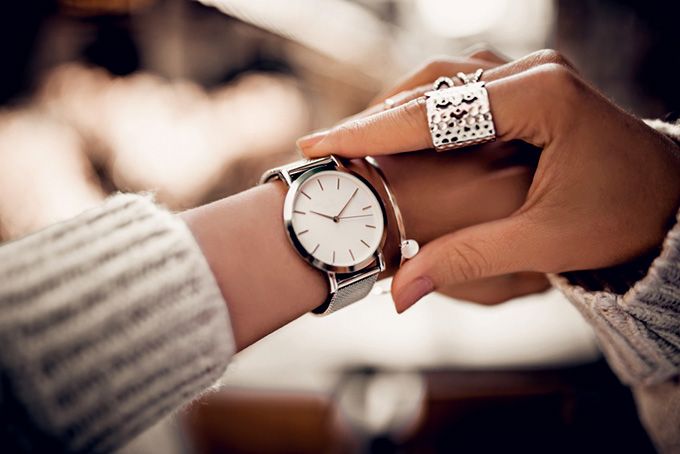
[
  {"x": 386, "y": 132},
  {"x": 486, "y": 53},
  {"x": 495, "y": 248},
  {"x": 394, "y": 101},
  {"x": 408, "y": 91},
  {"x": 495, "y": 66},
  {"x": 427, "y": 73},
  {"x": 498, "y": 289},
  {"x": 533, "y": 60},
  {"x": 404, "y": 92},
  {"x": 520, "y": 104}
]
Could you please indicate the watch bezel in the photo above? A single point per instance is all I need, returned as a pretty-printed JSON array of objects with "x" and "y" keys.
[{"x": 292, "y": 236}]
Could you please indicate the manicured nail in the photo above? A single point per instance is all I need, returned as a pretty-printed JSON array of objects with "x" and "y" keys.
[
  {"x": 412, "y": 292},
  {"x": 310, "y": 140}
]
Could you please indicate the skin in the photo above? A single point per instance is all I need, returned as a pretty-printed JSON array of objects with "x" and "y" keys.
[
  {"x": 266, "y": 284},
  {"x": 605, "y": 190}
]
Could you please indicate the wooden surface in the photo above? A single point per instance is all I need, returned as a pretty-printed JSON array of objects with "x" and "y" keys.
[{"x": 573, "y": 409}]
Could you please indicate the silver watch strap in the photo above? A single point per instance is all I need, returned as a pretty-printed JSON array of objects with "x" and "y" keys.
[{"x": 347, "y": 293}]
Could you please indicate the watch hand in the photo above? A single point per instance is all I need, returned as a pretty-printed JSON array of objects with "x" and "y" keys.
[
  {"x": 332, "y": 218},
  {"x": 356, "y": 216},
  {"x": 349, "y": 200}
]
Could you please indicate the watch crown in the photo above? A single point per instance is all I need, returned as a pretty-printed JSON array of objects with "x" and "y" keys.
[{"x": 409, "y": 248}]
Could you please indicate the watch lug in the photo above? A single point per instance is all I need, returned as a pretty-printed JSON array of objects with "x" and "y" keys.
[
  {"x": 337, "y": 160},
  {"x": 276, "y": 173},
  {"x": 333, "y": 282}
]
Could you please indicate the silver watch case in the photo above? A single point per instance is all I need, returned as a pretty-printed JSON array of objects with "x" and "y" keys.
[{"x": 295, "y": 183}]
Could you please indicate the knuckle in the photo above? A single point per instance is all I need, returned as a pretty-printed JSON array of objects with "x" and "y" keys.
[
  {"x": 558, "y": 83},
  {"x": 551, "y": 56},
  {"x": 488, "y": 53},
  {"x": 351, "y": 133},
  {"x": 478, "y": 48},
  {"x": 465, "y": 262},
  {"x": 415, "y": 113},
  {"x": 481, "y": 53},
  {"x": 413, "y": 122}
]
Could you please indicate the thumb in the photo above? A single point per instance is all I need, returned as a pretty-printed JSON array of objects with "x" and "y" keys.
[{"x": 484, "y": 250}]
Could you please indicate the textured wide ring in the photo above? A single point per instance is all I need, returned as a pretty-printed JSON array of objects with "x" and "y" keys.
[
  {"x": 459, "y": 116},
  {"x": 470, "y": 78}
]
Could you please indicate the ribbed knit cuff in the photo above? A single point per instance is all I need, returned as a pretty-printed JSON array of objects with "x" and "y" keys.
[
  {"x": 639, "y": 331},
  {"x": 107, "y": 322}
]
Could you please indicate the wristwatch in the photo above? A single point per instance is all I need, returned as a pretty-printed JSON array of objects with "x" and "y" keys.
[{"x": 336, "y": 221}]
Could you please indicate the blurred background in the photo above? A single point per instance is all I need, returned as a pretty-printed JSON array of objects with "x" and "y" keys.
[{"x": 193, "y": 100}]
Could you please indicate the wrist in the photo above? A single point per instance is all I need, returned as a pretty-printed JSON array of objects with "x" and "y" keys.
[{"x": 264, "y": 282}]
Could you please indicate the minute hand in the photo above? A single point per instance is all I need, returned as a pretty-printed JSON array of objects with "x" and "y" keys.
[
  {"x": 348, "y": 200},
  {"x": 355, "y": 216}
]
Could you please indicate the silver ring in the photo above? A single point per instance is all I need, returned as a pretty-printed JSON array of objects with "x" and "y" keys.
[
  {"x": 471, "y": 78},
  {"x": 443, "y": 82},
  {"x": 459, "y": 116}
]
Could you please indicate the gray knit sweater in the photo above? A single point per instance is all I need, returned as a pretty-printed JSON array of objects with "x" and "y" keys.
[
  {"x": 113, "y": 319},
  {"x": 107, "y": 322}
]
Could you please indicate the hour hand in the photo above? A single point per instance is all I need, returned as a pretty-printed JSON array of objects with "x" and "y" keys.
[{"x": 332, "y": 218}]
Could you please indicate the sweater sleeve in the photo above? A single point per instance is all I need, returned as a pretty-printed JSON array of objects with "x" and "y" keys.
[
  {"x": 638, "y": 330},
  {"x": 108, "y": 322},
  {"x": 635, "y": 308}
]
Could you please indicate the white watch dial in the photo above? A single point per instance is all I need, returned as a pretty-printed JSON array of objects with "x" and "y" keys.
[{"x": 337, "y": 218}]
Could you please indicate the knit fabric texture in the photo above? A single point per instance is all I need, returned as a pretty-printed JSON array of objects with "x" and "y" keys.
[
  {"x": 639, "y": 330},
  {"x": 107, "y": 322}
]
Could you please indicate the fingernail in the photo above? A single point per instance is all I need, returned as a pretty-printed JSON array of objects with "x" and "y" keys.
[
  {"x": 310, "y": 140},
  {"x": 412, "y": 292}
]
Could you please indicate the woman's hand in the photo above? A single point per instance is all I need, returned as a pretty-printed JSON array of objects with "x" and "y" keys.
[
  {"x": 475, "y": 188},
  {"x": 604, "y": 192}
]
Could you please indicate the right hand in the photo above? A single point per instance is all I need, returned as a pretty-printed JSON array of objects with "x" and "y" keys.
[
  {"x": 478, "y": 187},
  {"x": 605, "y": 190},
  {"x": 475, "y": 187}
]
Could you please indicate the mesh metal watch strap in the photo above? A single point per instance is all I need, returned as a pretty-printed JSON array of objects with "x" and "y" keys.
[{"x": 348, "y": 294}]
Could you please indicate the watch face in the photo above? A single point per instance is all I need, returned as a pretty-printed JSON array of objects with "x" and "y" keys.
[{"x": 337, "y": 219}]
